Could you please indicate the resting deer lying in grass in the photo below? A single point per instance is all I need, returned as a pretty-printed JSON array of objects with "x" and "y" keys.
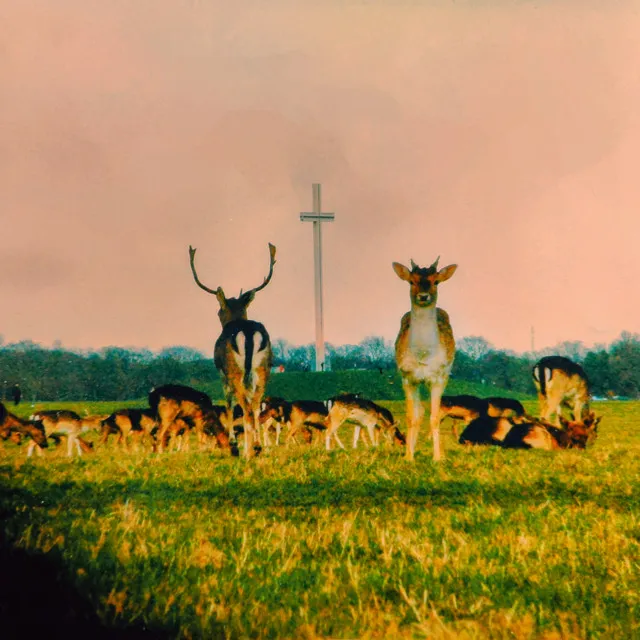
[
  {"x": 11, "y": 426},
  {"x": 467, "y": 408},
  {"x": 542, "y": 435},
  {"x": 531, "y": 433},
  {"x": 59, "y": 422},
  {"x": 425, "y": 348},
  {"x": 364, "y": 413},
  {"x": 561, "y": 382},
  {"x": 177, "y": 408},
  {"x": 242, "y": 353}
]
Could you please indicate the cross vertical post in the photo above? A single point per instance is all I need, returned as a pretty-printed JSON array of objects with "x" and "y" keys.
[{"x": 317, "y": 217}]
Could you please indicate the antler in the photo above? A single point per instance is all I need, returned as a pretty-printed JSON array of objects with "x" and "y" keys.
[
  {"x": 192, "y": 255},
  {"x": 414, "y": 266},
  {"x": 434, "y": 266},
  {"x": 272, "y": 261}
]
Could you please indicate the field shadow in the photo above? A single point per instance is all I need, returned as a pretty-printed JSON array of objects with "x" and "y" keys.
[
  {"x": 38, "y": 601},
  {"x": 320, "y": 492}
]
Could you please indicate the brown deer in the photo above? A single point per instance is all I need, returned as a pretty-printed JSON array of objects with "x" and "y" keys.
[
  {"x": 364, "y": 413},
  {"x": 11, "y": 426},
  {"x": 275, "y": 413},
  {"x": 242, "y": 353},
  {"x": 425, "y": 348},
  {"x": 307, "y": 417},
  {"x": 178, "y": 408},
  {"x": 60, "y": 422},
  {"x": 139, "y": 423},
  {"x": 561, "y": 382}
]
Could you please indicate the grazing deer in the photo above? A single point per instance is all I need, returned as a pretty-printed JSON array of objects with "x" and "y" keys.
[
  {"x": 561, "y": 382},
  {"x": 177, "y": 408},
  {"x": 92, "y": 422},
  {"x": 425, "y": 348},
  {"x": 242, "y": 353},
  {"x": 60, "y": 422},
  {"x": 305, "y": 416},
  {"x": 275, "y": 413},
  {"x": 125, "y": 422},
  {"x": 364, "y": 413},
  {"x": 11, "y": 426}
]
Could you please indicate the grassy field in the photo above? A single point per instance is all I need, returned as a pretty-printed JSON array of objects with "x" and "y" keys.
[{"x": 304, "y": 543}]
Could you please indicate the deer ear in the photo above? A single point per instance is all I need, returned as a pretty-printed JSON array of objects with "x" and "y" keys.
[
  {"x": 248, "y": 297},
  {"x": 222, "y": 299},
  {"x": 401, "y": 271},
  {"x": 445, "y": 273}
]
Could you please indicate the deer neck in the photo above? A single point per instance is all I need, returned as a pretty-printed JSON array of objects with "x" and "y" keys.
[{"x": 424, "y": 336}]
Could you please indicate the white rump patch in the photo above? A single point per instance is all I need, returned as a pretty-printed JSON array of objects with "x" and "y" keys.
[{"x": 241, "y": 344}]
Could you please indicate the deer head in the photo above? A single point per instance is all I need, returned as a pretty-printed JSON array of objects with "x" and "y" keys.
[
  {"x": 581, "y": 433},
  {"x": 424, "y": 281},
  {"x": 233, "y": 308}
]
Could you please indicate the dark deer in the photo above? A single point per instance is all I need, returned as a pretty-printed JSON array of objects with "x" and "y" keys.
[
  {"x": 467, "y": 408},
  {"x": 561, "y": 382},
  {"x": 425, "y": 348},
  {"x": 242, "y": 353}
]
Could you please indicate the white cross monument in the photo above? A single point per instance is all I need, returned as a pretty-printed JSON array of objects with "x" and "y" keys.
[{"x": 317, "y": 217}]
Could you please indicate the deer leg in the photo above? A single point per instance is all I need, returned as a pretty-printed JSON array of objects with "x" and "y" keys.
[
  {"x": 372, "y": 435},
  {"x": 104, "y": 436},
  {"x": 248, "y": 422},
  {"x": 542, "y": 401},
  {"x": 356, "y": 435},
  {"x": 415, "y": 413},
  {"x": 265, "y": 429},
  {"x": 437, "y": 389},
  {"x": 332, "y": 428},
  {"x": 125, "y": 439},
  {"x": 335, "y": 435}
]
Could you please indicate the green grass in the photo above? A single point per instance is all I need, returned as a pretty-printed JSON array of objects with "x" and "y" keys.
[{"x": 304, "y": 543}]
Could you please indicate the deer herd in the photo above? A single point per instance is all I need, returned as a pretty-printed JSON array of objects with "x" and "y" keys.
[{"x": 424, "y": 349}]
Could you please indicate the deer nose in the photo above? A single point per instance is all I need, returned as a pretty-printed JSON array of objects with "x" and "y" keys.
[{"x": 423, "y": 297}]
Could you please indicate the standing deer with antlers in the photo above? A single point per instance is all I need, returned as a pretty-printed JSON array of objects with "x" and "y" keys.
[
  {"x": 242, "y": 353},
  {"x": 425, "y": 348}
]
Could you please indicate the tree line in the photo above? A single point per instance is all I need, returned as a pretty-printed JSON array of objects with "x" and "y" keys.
[{"x": 116, "y": 373}]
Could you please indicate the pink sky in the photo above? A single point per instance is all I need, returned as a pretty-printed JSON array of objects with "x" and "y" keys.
[{"x": 502, "y": 136}]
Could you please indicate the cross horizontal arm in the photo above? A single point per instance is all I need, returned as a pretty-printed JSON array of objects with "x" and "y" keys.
[{"x": 317, "y": 217}]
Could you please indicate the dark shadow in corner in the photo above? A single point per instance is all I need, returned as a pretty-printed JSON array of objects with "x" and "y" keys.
[{"x": 36, "y": 601}]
